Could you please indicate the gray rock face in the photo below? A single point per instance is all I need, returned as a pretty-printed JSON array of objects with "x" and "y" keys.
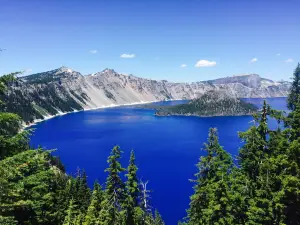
[{"x": 109, "y": 88}]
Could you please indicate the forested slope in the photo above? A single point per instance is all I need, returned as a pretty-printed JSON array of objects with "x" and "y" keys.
[{"x": 212, "y": 103}]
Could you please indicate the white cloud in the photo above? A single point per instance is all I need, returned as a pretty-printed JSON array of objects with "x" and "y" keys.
[
  {"x": 289, "y": 61},
  {"x": 28, "y": 71},
  {"x": 205, "y": 63},
  {"x": 127, "y": 56},
  {"x": 183, "y": 65},
  {"x": 278, "y": 54},
  {"x": 253, "y": 60},
  {"x": 93, "y": 51}
]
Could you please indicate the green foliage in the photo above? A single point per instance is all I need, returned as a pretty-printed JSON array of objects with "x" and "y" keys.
[
  {"x": 211, "y": 103},
  {"x": 71, "y": 214},
  {"x": 211, "y": 202},
  {"x": 5, "y": 80},
  {"x": 34, "y": 188},
  {"x": 10, "y": 124},
  {"x": 115, "y": 187},
  {"x": 42, "y": 99},
  {"x": 264, "y": 188},
  {"x": 29, "y": 187},
  {"x": 132, "y": 187},
  {"x": 158, "y": 220},
  {"x": 92, "y": 215},
  {"x": 294, "y": 96},
  {"x": 11, "y": 140}
]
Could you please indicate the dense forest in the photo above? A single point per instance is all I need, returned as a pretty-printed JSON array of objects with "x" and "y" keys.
[
  {"x": 211, "y": 103},
  {"x": 261, "y": 186}
]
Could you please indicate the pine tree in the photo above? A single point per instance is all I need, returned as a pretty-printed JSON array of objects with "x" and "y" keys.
[
  {"x": 211, "y": 204},
  {"x": 92, "y": 215},
  {"x": 84, "y": 193},
  {"x": 132, "y": 188},
  {"x": 115, "y": 192},
  {"x": 294, "y": 96},
  {"x": 293, "y": 120},
  {"x": 158, "y": 220},
  {"x": 71, "y": 214},
  {"x": 289, "y": 197},
  {"x": 11, "y": 141}
]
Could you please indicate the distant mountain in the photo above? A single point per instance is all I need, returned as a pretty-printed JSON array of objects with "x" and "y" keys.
[
  {"x": 64, "y": 90},
  {"x": 212, "y": 103}
]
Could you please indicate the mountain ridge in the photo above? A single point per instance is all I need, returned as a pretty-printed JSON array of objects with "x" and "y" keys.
[{"x": 65, "y": 90}]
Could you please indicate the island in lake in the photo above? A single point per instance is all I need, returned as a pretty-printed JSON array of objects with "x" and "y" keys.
[{"x": 212, "y": 103}]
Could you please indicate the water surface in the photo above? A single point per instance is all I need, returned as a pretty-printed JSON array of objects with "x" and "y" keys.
[{"x": 167, "y": 148}]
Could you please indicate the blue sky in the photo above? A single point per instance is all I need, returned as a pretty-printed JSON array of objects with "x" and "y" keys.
[{"x": 177, "y": 40}]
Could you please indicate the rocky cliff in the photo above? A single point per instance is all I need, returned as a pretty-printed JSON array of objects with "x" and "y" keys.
[{"x": 64, "y": 90}]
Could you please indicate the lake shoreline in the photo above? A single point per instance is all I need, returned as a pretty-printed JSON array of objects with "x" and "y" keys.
[
  {"x": 36, "y": 121},
  {"x": 201, "y": 116}
]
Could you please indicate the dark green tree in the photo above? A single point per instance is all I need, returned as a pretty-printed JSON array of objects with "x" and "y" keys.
[
  {"x": 92, "y": 215},
  {"x": 132, "y": 187},
  {"x": 112, "y": 208},
  {"x": 84, "y": 192},
  {"x": 294, "y": 96},
  {"x": 210, "y": 204},
  {"x": 71, "y": 214},
  {"x": 158, "y": 220}
]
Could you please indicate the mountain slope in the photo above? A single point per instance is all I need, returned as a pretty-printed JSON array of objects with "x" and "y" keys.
[{"x": 64, "y": 90}]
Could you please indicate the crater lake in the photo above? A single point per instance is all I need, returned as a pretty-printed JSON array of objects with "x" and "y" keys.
[{"x": 167, "y": 148}]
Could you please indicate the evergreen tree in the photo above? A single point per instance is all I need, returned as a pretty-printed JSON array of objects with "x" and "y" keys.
[
  {"x": 92, "y": 215},
  {"x": 289, "y": 161},
  {"x": 71, "y": 214},
  {"x": 29, "y": 188},
  {"x": 132, "y": 188},
  {"x": 294, "y": 96},
  {"x": 11, "y": 141},
  {"x": 115, "y": 193},
  {"x": 158, "y": 220},
  {"x": 293, "y": 120},
  {"x": 84, "y": 193},
  {"x": 210, "y": 204}
]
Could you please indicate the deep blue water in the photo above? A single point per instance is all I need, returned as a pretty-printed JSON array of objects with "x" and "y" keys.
[{"x": 167, "y": 148}]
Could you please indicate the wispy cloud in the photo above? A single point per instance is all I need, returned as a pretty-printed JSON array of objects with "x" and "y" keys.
[
  {"x": 289, "y": 60},
  {"x": 253, "y": 60},
  {"x": 93, "y": 51},
  {"x": 127, "y": 56},
  {"x": 205, "y": 63},
  {"x": 278, "y": 54},
  {"x": 28, "y": 71},
  {"x": 183, "y": 65}
]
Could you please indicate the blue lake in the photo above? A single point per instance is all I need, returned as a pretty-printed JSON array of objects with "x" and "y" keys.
[{"x": 167, "y": 148}]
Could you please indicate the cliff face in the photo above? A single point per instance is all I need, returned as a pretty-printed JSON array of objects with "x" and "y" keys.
[{"x": 64, "y": 90}]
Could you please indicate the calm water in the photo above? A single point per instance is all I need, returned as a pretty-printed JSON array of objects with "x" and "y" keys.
[{"x": 167, "y": 148}]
